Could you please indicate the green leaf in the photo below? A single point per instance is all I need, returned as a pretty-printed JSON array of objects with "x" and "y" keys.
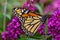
[
  {"x": 35, "y": 37},
  {"x": 9, "y": 7},
  {"x": 1, "y": 21},
  {"x": 31, "y": 39},
  {"x": 50, "y": 38},
  {"x": 8, "y": 16},
  {"x": 39, "y": 9},
  {"x": 22, "y": 37},
  {"x": 0, "y": 31}
]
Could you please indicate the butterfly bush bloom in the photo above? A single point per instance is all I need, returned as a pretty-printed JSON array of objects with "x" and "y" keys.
[
  {"x": 56, "y": 4},
  {"x": 47, "y": 9},
  {"x": 41, "y": 29},
  {"x": 53, "y": 6},
  {"x": 54, "y": 21},
  {"x": 30, "y": 5},
  {"x": 54, "y": 25},
  {"x": 13, "y": 30}
]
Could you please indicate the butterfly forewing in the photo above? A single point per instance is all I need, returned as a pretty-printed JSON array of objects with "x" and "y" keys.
[{"x": 31, "y": 25}]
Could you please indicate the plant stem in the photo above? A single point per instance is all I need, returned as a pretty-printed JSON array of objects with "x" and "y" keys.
[
  {"x": 46, "y": 30},
  {"x": 4, "y": 13}
]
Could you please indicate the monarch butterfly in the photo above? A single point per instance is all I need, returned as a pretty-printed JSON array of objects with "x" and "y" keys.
[{"x": 30, "y": 20}]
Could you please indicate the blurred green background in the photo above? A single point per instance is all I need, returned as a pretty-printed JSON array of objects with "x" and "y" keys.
[
  {"x": 6, "y": 16},
  {"x": 6, "y": 11}
]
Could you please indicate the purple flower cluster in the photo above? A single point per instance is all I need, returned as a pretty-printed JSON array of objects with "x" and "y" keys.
[
  {"x": 13, "y": 30},
  {"x": 54, "y": 20},
  {"x": 14, "y": 27},
  {"x": 41, "y": 29},
  {"x": 55, "y": 4},
  {"x": 47, "y": 9},
  {"x": 54, "y": 25},
  {"x": 30, "y": 4}
]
